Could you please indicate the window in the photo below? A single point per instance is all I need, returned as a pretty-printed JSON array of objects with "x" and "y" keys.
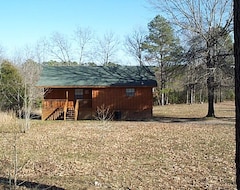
[
  {"x": 130, "y": 92},
  {"x": 78, "y": 93}
]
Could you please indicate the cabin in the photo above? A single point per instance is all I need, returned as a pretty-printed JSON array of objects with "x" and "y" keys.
[{"x": 77, "y": 92}]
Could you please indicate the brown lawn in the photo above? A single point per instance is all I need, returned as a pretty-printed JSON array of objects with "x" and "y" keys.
[{"x": 177, "y": 149}]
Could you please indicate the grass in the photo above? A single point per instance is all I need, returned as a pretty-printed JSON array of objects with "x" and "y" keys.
[{"x": 173, "y": 151}]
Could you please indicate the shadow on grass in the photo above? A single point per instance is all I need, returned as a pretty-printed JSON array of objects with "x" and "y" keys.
[
  {"x": 27, "y": 184},
  {"x": 164, "y": 119},
  {"x": 230, "y": 119}
]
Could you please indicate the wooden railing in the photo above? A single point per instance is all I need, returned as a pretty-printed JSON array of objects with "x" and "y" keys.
[
  {"x": 51, "y": 107},
  {"x": 53, "y": 103},
  {"x": 55, "y": 114},
  {"x": 65, "y": 109},
  {"x": 76, "y": 110}
]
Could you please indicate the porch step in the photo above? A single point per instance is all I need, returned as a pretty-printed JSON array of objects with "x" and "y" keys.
[
  {"x": 70, "y": 114},
  {"x": 55, "y": 114}
]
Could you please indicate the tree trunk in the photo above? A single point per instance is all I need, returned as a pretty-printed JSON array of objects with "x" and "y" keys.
[
  {"x": 220, "y": 93},
  {"x": 237, "y": 87},
  {"x": 210, "y": 85},
  {"x": 210, "y": 79},
  {"x": 162, "y": 99}
]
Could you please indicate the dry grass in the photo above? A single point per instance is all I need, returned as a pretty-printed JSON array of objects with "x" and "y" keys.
[
  {"x": 160, "y": 154},
  {"x": 9, "y": 123}
]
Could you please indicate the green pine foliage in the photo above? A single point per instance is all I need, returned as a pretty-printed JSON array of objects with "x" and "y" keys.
[{"x": 11, "y": 87}]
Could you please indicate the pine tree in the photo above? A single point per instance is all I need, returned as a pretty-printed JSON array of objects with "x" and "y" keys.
[{"x": 11, "y": 87}]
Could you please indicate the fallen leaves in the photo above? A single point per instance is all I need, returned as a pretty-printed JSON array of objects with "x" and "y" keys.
[{"x": 126, "y": 155}]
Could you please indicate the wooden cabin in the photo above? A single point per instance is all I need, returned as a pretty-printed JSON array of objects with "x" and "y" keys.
[{"x": 77, "y": 92}]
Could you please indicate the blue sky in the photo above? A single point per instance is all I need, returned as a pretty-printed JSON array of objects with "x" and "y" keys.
[{"x": 24, "y": 22}]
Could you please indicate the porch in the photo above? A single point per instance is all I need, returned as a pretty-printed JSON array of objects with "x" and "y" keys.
[{"x": 64, "y": 109}]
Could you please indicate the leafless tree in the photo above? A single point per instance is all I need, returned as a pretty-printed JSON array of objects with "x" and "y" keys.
[
  {"x": 107, "y": 47},
  {"x": 59, "y": 47},
  {"x": 133, "y": 44},
  {"x": 200, "y": 18},
  {"x": 83, "y": 37},
  {"x": 104, "y": 114},
  {"x": 30, "y": 71},
  {"x": 41, "y": 51}
]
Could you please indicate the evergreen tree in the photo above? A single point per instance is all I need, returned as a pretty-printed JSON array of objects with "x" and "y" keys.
[
  {"x": 11, "y": 87},
  {"x": 162, "y": 49}
]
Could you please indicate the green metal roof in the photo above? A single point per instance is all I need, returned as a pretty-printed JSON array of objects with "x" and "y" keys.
[{"x": 93, "y": 76}]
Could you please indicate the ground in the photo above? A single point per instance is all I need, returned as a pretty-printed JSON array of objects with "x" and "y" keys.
[{"x": 177, "y": 149}]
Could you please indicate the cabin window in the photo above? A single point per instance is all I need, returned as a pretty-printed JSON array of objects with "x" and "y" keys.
[
  {"x": 130, "y": 92},
  {"x": 78, "y": 93}
]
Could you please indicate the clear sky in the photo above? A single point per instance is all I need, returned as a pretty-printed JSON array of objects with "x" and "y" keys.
[{"x": 24, "y": 22}]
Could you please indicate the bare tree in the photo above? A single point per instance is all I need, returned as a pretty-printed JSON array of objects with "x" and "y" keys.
[
  {"x": 30, "y": 71},
  {"x": 59, "y": 47},
  {"x": 107, "y": 47},
  {"x": 201, "y": 17},
  {"x": 41, "y": 50},
  {"x": 83, "y": 37},
  {"x": 133, "y": 44},
  {"x": 237, "y": 87}
]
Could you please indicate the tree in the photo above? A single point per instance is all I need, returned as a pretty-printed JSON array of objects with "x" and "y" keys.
[
  {"x": 106, "y": 48},
  {"x": 30, "y": 71},
  {"x": 221, "y": 52},
  {"x": 11, "y": 87},
  {"x": 134, "y": 43},
  {"x": 201, "y": 17},
  {"x": 41, "y": 50},
  {"x": 83, "y": 37},
  {"x": 161, "y": 47},
  {"x": 59, "y": 47},
  {"x": 237, "y": 86}
]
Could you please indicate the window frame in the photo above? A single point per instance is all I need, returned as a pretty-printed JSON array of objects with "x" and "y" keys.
[
  {"x": 78, "y": 93},
  {"x": 130, "y": 92}
]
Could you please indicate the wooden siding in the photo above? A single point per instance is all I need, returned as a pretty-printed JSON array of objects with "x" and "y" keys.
[
  {"x": 117, "y": 99},
  {"x": 136, "y": 107},
  {"x": 130, "y": 107},
  {"x": 60, "y": 93}
]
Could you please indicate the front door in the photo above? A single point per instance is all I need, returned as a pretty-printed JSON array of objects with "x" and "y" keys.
[{"x": 83, "y": 96}]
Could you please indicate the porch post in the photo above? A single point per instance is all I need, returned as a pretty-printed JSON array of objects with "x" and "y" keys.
[
  {"x": 67, "y": 95},
  {"x": 65, "y": 106}
]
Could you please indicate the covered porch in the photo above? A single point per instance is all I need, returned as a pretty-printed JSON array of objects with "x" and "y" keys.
[{"x": 77, "y": 104}]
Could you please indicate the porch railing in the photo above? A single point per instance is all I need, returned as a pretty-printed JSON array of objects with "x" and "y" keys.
[
  {"x": 76, "y": 110},
  {"x": 65, "y": 110},
  {"x": 50, "y": 105},
  {"x": 53, "y": 103}
]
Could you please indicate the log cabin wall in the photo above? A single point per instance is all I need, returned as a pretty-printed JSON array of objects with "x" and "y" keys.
[
  {"x": 131, "y": 107},
  {"x": 138, "y": 106}
]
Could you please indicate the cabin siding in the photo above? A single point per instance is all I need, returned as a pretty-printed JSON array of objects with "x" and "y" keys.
[
  {"x": 116, "y": 98},
  {"x": 60, "y": 93},
  {"x": 138, "y": 106}
]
